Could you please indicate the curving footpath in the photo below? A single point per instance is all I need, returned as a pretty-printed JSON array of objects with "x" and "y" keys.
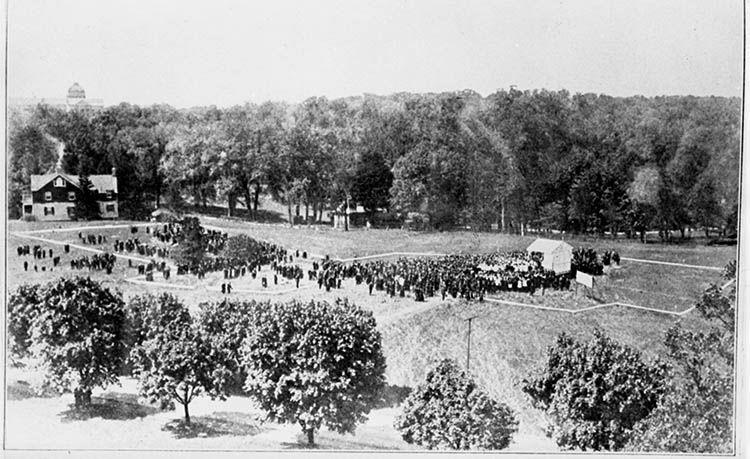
[{"x": 137, "y": 280}]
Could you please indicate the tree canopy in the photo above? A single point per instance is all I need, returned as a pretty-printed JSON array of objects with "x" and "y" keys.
[
  {"x": 595, "y": 392},
  {"x": 449, "y": 411},
  {"x": 314, "y": 363},
  {"x": 543, "y": 159}
]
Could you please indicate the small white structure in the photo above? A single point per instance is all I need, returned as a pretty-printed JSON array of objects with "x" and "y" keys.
[{"x": 556, "y": 255}]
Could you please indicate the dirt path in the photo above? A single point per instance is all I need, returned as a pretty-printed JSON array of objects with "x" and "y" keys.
[{"x": 668, "y": 263}]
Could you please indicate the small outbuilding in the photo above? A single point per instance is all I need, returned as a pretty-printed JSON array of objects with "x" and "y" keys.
[{"x": 556, "y": 255}]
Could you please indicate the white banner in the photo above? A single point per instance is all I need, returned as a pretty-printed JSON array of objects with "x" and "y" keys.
[{"x": 585, "y": 279}]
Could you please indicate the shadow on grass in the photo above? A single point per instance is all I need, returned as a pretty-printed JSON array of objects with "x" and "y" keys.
[
  {"x": 111, "y": 405},
  {"x": 326, "y": 443},
  {"x": 264, "y": 216},
  {"x": 219, "y": 424},
  {"x": 21, "y": 390}
]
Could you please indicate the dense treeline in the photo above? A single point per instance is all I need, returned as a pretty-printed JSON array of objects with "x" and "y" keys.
[{"x": 516, "y": 159}]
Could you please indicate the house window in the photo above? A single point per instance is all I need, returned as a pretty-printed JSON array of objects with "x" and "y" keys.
[
  {"x": 48, "y": 196},
  {"x": 110, "y": 207},
  {"x": 59, "y": 182},
  {"x": 109, "y": 194},
  {"x": 27, "y": 209},
  {"x": 52, "y": 211},
  {"x": 71, "y": 195}
]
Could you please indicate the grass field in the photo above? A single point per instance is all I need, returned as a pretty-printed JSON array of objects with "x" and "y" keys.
[{"x": 508, "y": 342}]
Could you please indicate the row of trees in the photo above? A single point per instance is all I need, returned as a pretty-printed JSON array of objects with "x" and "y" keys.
[
  {"x": 305, "y": 363},
  {"x": 316, "y": 363},
  {"x": 583, "y": 162}
]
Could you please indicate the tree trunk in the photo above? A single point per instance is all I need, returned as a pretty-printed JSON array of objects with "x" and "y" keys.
[
  {"x": 502, "y": 215},
  {"x": 289, "y": 212},
  {"x": 82, "y": 397},
  {"x": 256, "y": 198},
  {"x": 248, "y": 200},
  {"x": 307, "y": 212},
  {"x": 231, "y": 202},
  {"x": 187, "y": 414},
  {"x": 310, "y": 437},
  {"x": 346, "y": 214}
]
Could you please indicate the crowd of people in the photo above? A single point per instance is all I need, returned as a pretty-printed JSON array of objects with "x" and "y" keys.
[
  {"x": 39, "y": 254},
  {"x": 99, "y": 262},
  {"x": 92, "y": 239},
  {"x": 465, "y": 276}
]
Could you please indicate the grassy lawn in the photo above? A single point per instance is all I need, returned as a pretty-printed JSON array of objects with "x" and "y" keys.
[{"x": 508, "y": 342}]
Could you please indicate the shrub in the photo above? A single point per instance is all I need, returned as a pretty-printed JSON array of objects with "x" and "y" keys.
[
  {"x": 314, "y": 363},
  {"x": 240, "y": 249},
  {"x": 449, "y": 411},
  {"x": 595, "y": 392},
  {"x": 586, "y": 261}
]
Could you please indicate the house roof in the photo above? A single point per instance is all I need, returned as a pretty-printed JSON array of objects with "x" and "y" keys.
[
  {"x": 101, "y": 183},
  {"x": 546, "y": 245}
]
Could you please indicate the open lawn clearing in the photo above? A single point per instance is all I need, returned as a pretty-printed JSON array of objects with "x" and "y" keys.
[
  {"x": 358, "y": 242},
  {"x": 19, "y": 225},
  {"x": 507, "y": 343},
  {"x": 16, "y": 275},
  {"x": 650, "y": 285}
]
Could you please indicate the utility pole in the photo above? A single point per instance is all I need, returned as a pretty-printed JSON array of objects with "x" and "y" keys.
[{"x": 468, "y": 342}]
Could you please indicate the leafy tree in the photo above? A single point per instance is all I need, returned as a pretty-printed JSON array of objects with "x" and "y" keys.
[
  {"x": 595, "y": 392},
  {"x": 23, "y": 309},
  {"x": 314, "y": 363},
  {"x": 31, "y": 152},
  {"x": 78, "y": 334},
  {"x": 695, "y": 415},
  {"x": 87, "y": 206},
  {"x": 191, "y": 248},
  {"x": 174, "y": 361},
  {"x": 240, "y": 248},
  {"x": 372, "y": 183},
  {"x": 449, "y": 411},
  {"x": 226, "y": 324}
]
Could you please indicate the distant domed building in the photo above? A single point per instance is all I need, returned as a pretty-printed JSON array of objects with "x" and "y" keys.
[
  {"x": 76, "y": 94},
  {"x": 76, "y": 98}
]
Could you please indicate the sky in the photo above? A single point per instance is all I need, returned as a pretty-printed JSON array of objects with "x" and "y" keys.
[{"x": 226, "y": 52}]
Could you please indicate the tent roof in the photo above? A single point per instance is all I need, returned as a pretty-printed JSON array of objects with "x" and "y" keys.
[{"x": 546, "y": 245}]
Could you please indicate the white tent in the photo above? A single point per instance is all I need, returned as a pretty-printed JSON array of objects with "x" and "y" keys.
[{"x": 556, "y": 255}]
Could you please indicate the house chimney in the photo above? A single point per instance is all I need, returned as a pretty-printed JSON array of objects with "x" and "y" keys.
[{"x": 114, "y": 172}]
